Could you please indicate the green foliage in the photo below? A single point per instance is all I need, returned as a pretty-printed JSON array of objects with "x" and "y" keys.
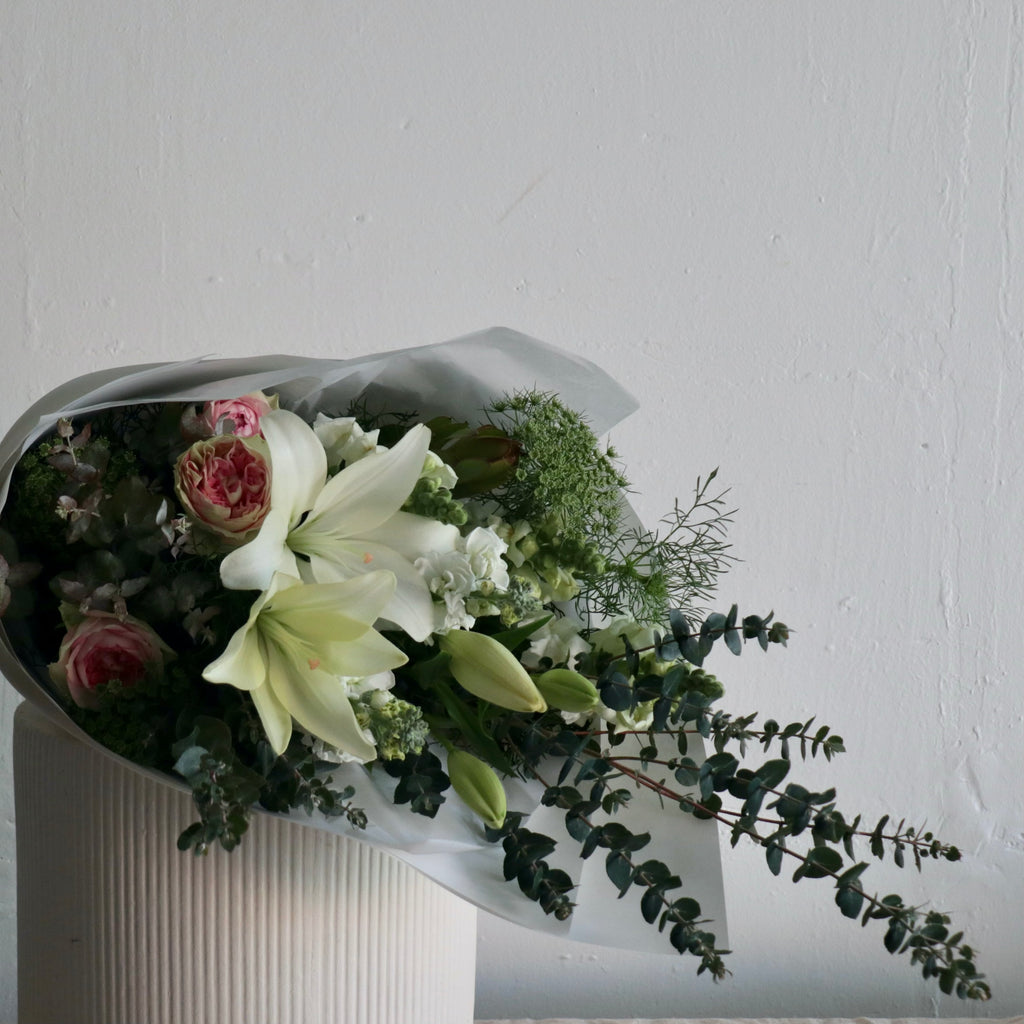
[
  {"x": 293, "y": 781},
  {"x": 228, "y": 777},
  {"x": 525, "y": 862},
  {"x": 758, "y": 803},
  {"x": 223, "y": 788},
  {"x": 421, "y": 782},
  {"x": 139, "y": 722},
  {"x": 563, "y": 476},
  {"x": 677, "y": 565},
  {"x": 31, "y": 505}
]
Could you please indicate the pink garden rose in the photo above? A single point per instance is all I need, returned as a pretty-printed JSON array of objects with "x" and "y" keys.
[
  {"x": 238, "y": 416},
  {"x": 224, "y": 484},
  {"x": 102, "y": 648}
]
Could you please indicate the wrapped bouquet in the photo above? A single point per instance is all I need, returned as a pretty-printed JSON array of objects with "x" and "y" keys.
[{"x": 405, "y": 595}]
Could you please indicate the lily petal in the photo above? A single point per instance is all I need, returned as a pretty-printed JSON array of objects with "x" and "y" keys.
[
  {"x": 370, "y": 655},
  {"x": 319, "y": 703},
  {"x": 412, "y": 536},
  {"x": 411, "y": 606},
  {"x": 274, "y": 716},
  {"x": 242, "y": 664},
  {"x": 367, "y": 493},
  {"x": 298, "y": 462},
  {"x": 252, "y": 566},
  {"x": 361, "y": 598}
]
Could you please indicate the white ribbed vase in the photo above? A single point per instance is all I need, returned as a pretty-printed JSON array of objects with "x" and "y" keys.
[{"x": 296, "y": 926}]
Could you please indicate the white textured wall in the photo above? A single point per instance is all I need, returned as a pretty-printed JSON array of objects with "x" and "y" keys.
[{"x": 794, "y": 229}]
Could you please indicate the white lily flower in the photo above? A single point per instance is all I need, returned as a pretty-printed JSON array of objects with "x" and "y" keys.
[
  {"x": 299, "y": 640},
  {"x": 354, "y": 524}
]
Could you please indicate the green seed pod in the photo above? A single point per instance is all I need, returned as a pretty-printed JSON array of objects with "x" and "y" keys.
[
  {"x": 478, "y": 785},
  {"x": 567, "y": 690}
]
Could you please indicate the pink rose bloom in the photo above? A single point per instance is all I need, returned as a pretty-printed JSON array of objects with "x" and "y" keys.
[
  {"x": 102, "y": 648},
  {"x": 238, "y": 416},
  {"x": 224, "y": 484}
]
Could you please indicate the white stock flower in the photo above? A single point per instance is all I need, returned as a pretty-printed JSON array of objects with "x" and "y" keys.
[
  {"x": 344, "y": 440},
  {"x": 512, "y": 534},
  {"x": 484, "y": 549},
  {"x": 558, "y": 639},
  {"x": 476, "y": 567},
  {"x": 449, "y": 576}
]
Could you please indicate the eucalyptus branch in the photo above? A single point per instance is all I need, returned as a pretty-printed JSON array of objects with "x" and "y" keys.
[
  {"x": 682, "y": 913},
  {"x": 927, "y": 938},
  {"x": 722, "y": 725}
]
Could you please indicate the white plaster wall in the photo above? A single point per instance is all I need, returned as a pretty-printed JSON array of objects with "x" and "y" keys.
[{"x": 794, "y": 229}]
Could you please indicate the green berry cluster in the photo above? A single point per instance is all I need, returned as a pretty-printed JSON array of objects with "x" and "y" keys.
[
  {"x": 521, "y": 600},
  {"x": 398, "y": 727},
  {"x": 431, "y": 500},
  {"x": 557, "y": 549}
]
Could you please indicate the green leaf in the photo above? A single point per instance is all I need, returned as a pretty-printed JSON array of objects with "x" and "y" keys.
[
  {"x": 821, "y": 861},
  {"x": 894, "y": 935},
  {"x": 849, "y": 901},
  {"x": 683, "y": 909},
  {"x": 616, "y": 691},
  {"x": 771, "y": 773},
  {"x": 620, "y": 871},
  {"x": 688, "y": 772},
  {"x": 513, "y": 638},
  {"x": 650, "y": 905}
]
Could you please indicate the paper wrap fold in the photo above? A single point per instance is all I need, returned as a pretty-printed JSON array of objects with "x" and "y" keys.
[{"x": 457, "y": 378}]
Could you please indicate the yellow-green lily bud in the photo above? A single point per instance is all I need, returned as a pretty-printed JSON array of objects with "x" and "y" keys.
[
  {"x": 491, "y": 671},
  {"x": 479, "y": 787},
  {"x": 567, "y": 690}
]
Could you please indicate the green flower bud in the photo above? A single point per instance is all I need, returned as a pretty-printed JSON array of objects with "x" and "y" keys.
[
  {"x": 478, "y": 786},
  {"x": 528, "y": 547},
  {"x": 490, "y": 671},
  {"x": 567, "y": 690},
  {"x": 483, "y": 459}
]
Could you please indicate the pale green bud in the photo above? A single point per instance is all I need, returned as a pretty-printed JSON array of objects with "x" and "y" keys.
[
  {"x": 478, "y": 786},
  {"x": 567, "y": 690},
  {"x": 528, "y": 547},
  {"x": 561, "y": 585},
  {"x": 491, "y": 671}
]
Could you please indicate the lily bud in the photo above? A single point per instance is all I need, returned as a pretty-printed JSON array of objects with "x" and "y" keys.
[
  {"x": 567, "y": 690},
  {"x": 491, "y": 671},
  {"x": 478, "y": 786}
]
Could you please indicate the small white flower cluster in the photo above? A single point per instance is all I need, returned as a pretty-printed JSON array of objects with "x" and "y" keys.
[
  {"x": 465, "y": 578},
  {"x": 344, "y": 440},
  {"x": 559, "y": 640}
]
